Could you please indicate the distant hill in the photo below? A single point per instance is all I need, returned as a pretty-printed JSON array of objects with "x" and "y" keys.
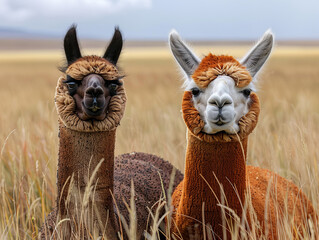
[
  {"x": 17, "y": 33},
  {"x": 16, "y": 39}
]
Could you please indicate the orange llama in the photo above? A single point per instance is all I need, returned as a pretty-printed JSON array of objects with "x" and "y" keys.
[{"x": 220, "y": 109}]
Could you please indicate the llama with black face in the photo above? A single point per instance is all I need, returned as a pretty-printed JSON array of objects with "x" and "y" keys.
[{"x": 90, "y": 101}]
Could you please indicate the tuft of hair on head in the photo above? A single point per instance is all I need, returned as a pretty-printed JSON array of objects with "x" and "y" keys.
[
  {"x": 258, "y": 55},
  {"x": 114, "y": 49},
  {"x": 183, "y": 55},
  {"x": 71, "y": 45}
]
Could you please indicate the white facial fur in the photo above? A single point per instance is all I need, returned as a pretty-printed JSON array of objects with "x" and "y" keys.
[{"x": 221, "y": 104}]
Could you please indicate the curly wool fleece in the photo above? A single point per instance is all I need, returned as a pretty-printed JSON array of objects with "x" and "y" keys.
[
  {"x": 212, "y": 66},
  {"x": 65, "y": 104}
]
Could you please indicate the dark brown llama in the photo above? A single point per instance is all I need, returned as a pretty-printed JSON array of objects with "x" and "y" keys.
[{"x": 90, "y": 101}]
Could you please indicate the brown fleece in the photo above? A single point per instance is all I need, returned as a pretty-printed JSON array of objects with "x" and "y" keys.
[
  {"x": 79, "y": 154},
  {"x": 212, "y": 66},
  {"x": 149, "y": 173},
  {"x": 222, "y": 156},
  {"x": 92, "y": 64}
]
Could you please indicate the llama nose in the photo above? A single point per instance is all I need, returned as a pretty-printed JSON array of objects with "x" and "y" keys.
[
  {"x": 94, "y": 92},
  {"x": 220, "y": 102}
]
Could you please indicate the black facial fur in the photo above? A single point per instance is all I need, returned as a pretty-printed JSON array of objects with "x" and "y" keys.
[
  {"x": 71, "y": 46},
  {"x": 112, "y": 86},
  {"x": 72, "y": 85},
  {"x": 114, "y": 49}
]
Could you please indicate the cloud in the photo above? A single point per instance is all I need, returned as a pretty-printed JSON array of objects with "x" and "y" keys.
[
  {"x": 15, "y": 11},
  {"x": 10, "y": 14},
  {"x": 139, "y": 19}
]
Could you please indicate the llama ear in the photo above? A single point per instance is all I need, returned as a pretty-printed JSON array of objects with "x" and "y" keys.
[
  {"x": 114, "y": 49},
  {"x": 71, "y": 45},
  {"x": 186, "y": 59},
  {"x": 258, "y": 55}
]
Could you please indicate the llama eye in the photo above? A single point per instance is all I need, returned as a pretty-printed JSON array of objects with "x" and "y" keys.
[
  {"x": 112, "y": 87},
  {"x": 195, "y": 92},
  {"x": 71, "y": 85},
  {"x": 246, "y": 92}
]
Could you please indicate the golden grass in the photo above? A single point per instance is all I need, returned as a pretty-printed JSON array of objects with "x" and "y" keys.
[{"x": 285, "y": 140}]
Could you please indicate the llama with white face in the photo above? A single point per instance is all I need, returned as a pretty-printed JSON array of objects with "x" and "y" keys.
[
  {"x": 220, "y": 109},
  {"x": 222, "y": 102}
]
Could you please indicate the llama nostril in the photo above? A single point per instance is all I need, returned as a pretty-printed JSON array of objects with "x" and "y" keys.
[
  {"x": 99, "y": 91},
  {"x": 227, "y": 102},
  {"x": 220, "y": 103},
  {"x": 94, "y": 92},
  {"x": 214, "y": 102}
]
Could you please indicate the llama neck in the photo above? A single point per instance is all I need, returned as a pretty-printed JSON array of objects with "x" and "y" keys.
[
  {"x": 79, "y": 155},
  {"x": 219, "y": 163}
]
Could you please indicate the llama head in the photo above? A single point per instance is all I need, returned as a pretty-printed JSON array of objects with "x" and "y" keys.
[
  {"x": 90, "y": 96},
  {"x": 220, "y": 88}
]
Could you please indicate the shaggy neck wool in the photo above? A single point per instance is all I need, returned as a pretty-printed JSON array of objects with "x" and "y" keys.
[
  {"x": 65, "y": 103},
  {"x": 79, "y": 155},
  {"x": 208, "y": 167}
]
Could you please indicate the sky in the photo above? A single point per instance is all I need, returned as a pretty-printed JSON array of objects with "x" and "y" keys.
[{"x": 153, "y": 19}]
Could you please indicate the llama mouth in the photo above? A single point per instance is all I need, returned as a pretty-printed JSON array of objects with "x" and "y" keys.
[
  {"x": 93, "y": 111},
  {"x": 94, "y": 108},
  {"x": 219, "y": 123}
]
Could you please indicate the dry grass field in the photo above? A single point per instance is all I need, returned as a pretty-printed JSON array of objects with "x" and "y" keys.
[{"x": 286, "y": 139}]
